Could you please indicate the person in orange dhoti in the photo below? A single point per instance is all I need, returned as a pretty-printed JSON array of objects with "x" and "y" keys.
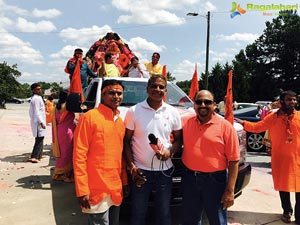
[
  {"x": 99, "y": 171},
  {"x": 284, "y": 131}
]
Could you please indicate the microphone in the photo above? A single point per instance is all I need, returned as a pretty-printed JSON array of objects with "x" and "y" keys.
[
  {"x": 152, "y": 139},
  {"x": 155, "y": 143}
]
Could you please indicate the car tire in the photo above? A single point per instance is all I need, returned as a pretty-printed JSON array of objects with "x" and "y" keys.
[{"x": 255, "y": 142}]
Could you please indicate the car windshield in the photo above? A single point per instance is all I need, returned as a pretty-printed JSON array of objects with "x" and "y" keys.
[{"x": 135, "y": 92}]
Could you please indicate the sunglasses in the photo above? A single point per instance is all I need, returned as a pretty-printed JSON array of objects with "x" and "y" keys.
[
  {"x": 161, "y": 87},
  {"x": 206, "y": 102},
  {"x": 113, "y": 93}
]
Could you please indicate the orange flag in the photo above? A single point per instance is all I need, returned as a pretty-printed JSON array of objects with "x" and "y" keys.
[
  {"x": 194, "y": 84},
  {"x": 228, "y": 104},
  {"x": 75, "y": 86}
]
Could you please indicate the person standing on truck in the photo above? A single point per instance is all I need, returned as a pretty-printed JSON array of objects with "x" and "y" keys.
[
  {"x": 284, "y": 132},
  {"x": 85, "y": 71},
  {"x": 97, "y": 157},
  {"x": 211, "y": 159},
  {"x": 153, "y": 67},
  {"x": 150, "y": 165}
]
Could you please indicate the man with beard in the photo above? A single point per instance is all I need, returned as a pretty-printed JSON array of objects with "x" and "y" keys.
[
  {"x": 210, "y": 156},
  {"x": 151, "y": 165},
  {"x": 284, "y": 130}
]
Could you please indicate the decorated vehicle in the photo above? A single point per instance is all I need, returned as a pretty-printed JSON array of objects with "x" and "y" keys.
[{"x": 110, "y": 43}]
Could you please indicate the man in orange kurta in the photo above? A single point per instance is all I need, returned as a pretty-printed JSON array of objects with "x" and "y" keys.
[
  {"x": 284, "y": 130},
  {"x": 97, "y": 157}
]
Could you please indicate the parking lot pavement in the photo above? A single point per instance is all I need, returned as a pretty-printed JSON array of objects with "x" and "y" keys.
[{"x": 29, "y": 196}]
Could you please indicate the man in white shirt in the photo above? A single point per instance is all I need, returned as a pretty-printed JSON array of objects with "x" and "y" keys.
[
  {"x": 137, "y": 69},
  {"x": 37, "y": 115}
]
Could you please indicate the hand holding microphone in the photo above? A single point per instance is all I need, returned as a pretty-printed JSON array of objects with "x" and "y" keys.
[{"x": 158, "y": 148}]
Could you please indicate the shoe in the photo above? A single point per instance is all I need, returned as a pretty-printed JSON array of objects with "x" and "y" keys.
[{"x": 286, "y": 217}]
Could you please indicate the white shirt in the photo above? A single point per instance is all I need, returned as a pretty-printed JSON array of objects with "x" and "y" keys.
[
  {"x": 144, "y": 120},
  {"x": 37, "y": 114},
  {"x": 134, "y": 71}
]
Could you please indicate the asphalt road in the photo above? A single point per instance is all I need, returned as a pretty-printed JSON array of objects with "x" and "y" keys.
[{"x": 29, "y": 196}]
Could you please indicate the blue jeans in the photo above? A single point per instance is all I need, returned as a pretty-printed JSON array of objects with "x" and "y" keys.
[
  {"x": 109, "y": 217},
  {"x": 161, "y": 183},
  {"x": 203, "y": 191}
]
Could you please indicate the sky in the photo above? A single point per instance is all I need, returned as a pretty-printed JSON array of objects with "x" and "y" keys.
[{"x": 40, "y": 36}]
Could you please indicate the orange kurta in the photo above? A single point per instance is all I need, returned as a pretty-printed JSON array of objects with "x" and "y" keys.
[
  {"x": 285, "y": 161},
  {"x": 97, "y": 156},
  {"x": 49, "y": 106}
]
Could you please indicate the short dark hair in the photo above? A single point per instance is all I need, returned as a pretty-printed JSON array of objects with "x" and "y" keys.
[
  {"x": 78, "y": 50},
  {"x": 107, "y": 56},
  {"x": 284, "y": 93},
  {"x": 34, "y": 85},
  {"x": 111, "y": 82},
  {"x": 134, "y": 58},
  {"x": 156, "y": 53},
  {"x": 153, "y": 78}
]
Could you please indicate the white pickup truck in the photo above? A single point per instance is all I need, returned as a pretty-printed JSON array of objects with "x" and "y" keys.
[{"x": 135, "y": 91}]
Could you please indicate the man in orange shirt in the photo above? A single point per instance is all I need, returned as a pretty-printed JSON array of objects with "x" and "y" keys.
[
  {"x": 97, "y": 157},
  {"x": 284, "y": 132},
  {"x": 207, "y": 155}
]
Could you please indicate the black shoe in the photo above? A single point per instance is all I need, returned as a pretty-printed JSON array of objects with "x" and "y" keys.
[{"x": 286, "y": 217}]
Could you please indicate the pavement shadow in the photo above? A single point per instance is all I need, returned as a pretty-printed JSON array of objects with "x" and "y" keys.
[
  {"x": 21, "y": 158},
  {"x": 254, "y": 218}
]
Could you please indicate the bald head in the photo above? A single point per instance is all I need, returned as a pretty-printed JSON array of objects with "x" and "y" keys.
[{"x": 205, "y": 93}]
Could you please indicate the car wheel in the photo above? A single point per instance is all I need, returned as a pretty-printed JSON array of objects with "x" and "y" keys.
[{"x": 255, "y": 142}]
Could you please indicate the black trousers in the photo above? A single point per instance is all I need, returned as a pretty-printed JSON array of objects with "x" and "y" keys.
[
  {"x": 286, "y": 203},
  {"x": 38, "y": 148}
]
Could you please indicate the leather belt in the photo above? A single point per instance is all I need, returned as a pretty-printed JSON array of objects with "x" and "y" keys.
[{"x": 199, "y": 173}]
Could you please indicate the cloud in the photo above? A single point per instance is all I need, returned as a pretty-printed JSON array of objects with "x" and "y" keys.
[
  {"x": 41, "y": 26},
  {"x": 49, "y": 13},
  {"x": 245, "y": 37},
  {"x": 185, "y": 69},
  {"x": 141, "y": 44},
  {"x": 14, "y": 48},
  {"x": 84, "y": 36},
  {"x": 150, "y": 12}
]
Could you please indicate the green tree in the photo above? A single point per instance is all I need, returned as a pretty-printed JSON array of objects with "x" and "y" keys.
[
  {"x": 8, "y": 83},
  {"x": 274, "y": 58},
  {"x": 170, "y": 77}
]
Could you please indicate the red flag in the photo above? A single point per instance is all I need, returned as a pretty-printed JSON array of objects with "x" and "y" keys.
[
  {"x": 194, "y": 84},
  {"x": 75, "y": 86},
  {"x": 164, "y": 71},
  {"x": 228, "y": 104}
]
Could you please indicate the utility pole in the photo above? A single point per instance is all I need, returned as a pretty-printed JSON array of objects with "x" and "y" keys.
[{"x": 207, "y": 49}]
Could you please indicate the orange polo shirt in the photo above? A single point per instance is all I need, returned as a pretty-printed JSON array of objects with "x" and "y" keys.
[
  {"x": 208, "y": 147},
  {"x": 97, "y": 157}
]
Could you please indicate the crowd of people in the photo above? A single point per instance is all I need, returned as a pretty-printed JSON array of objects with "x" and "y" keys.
[{"x": 97, "y": 151}]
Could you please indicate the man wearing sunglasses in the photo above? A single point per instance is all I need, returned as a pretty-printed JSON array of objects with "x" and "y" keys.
[
  {"x": 37, "y": 115},
  {"x": 97, "y": 158},
  {"x": 210, "y": 156}
]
